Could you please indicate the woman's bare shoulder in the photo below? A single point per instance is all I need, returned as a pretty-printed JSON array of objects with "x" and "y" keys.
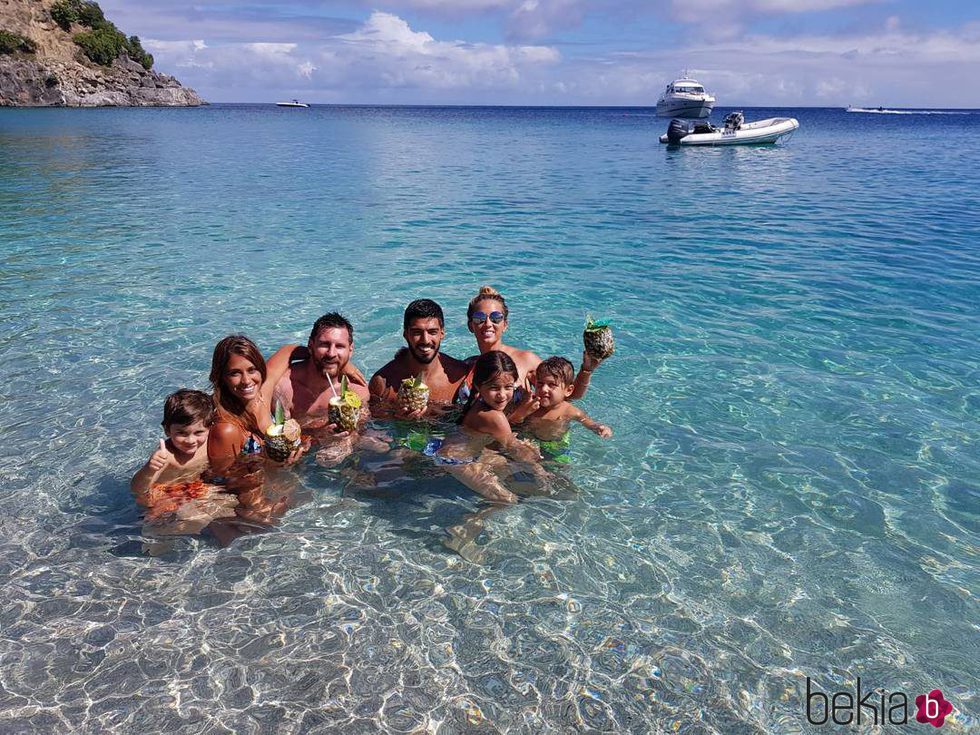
[
  {"x": 225, "y": 432},
  {"x": 527, "y": 359}
]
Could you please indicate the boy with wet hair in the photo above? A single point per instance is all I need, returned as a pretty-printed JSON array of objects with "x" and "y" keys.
[
  {"x": 187, "y": 419},
  {"x": 547, "y": 413}
]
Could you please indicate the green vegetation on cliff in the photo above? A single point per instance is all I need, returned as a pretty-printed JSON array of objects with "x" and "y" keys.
[
  {"x": 11, "y": 43},
  {"x": 104, "y": 43}
]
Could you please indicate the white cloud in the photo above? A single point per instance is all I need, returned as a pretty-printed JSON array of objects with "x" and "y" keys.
[
  {"x": 721, "y": 19},
  {"x": 538, "y": 18},
  {"x": 388, "y": 51},
  {"x": 388, "y": 28},
  {"x": 173, "y": 47},
  {"x": 387, "y": 60},
  {"x": 887, "y": 67},
  {"x": 541, "y": 18},
  {"x": 271, "y": 50},
  {"x": 244, "y": 64},
  {"x": 453, "y": 7},
  {"x": 384, "y": 56},
  {"x": 800, "y": 6}
]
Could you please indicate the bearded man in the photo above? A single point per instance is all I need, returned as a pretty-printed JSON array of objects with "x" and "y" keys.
[
  {"x": 305, "y": 390},
  {"x": 423, "y": 328}
]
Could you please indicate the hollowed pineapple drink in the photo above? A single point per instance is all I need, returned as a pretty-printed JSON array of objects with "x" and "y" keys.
[
  {"x": 598, "y": 339},
  {"x": 413, "y": 395},
  {"x": 345, "y": 409},
  {"x": 283, "y": 437}
]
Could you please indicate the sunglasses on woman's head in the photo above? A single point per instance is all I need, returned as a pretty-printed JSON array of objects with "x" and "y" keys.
[{"x": 495, "y": 316}]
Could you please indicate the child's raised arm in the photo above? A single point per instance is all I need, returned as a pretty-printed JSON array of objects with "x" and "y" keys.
[
  {"x": 143, "y": 480},
  {"x": 594, "y": 426}
]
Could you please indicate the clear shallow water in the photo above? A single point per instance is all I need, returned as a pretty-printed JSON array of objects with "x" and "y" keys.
[{"x": 793, "y": 488}]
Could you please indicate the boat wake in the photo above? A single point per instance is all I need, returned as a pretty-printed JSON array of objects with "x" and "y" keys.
[{"x": 884, "y": 111}]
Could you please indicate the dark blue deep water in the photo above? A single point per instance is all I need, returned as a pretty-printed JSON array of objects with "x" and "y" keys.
[{"x": 792, "y": 491}]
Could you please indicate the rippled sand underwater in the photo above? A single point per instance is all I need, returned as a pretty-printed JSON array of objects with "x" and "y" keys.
[{"x": 793, "y": 488}]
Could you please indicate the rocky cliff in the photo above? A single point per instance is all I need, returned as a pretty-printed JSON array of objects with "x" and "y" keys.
[{"x": 58, "y": 73}]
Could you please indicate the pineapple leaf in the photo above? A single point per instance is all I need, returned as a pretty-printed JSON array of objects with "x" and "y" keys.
[
  {"x": 343, "y": 385},
  {"x": 280, "y": 414}
]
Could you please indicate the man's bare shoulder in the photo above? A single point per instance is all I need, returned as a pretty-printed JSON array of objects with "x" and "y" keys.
[
  {"x": 286, "y": 381},
  {"x": 455, "y": 369},
  {"x": 385, "y": 377},
  {"x": 362, "y": 391}
]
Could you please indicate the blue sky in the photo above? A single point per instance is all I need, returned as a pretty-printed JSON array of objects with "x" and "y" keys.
[{"x": 896, "y": 53}]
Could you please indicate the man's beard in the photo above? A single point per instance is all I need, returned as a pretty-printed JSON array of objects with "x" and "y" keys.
[
  {"x": 322, "y": 368},
  {"x": 422, "y": 359}
]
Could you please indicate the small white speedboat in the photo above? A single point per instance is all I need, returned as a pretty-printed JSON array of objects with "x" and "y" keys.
[
  {"x": 294, "y": 103},
  {"x": 734, "y": 132}
]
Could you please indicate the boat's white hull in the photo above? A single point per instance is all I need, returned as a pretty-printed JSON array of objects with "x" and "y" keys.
[
  {"x": 291, "y": 104},
  {"x": 755, "y": 133},
  {"x": 691, "y": 109}
]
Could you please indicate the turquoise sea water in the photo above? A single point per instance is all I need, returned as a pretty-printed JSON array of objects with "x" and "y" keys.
[{"x": 793, "y": 488}]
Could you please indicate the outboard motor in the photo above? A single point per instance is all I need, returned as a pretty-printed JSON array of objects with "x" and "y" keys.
[
  {"x": 734, "y": 120},
  {"x": 678, "y": 129}
]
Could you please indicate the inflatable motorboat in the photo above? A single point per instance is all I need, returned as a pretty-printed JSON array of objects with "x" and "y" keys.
[{"x": 735, "y": 131}]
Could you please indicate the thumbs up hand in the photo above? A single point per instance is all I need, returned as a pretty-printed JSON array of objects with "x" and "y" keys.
[{"x": 160, "y": 458}]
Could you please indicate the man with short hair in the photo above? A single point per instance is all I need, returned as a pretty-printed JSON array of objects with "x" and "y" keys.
[
  {"x": 424, "y": 330},
  {"x": 305, "y": 390}
]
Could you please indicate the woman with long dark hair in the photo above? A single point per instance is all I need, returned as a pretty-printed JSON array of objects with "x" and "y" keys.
[{"x": 243, "y": 385}]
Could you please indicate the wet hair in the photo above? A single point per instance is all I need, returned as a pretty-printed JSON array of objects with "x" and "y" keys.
[
  {"x": 423, "y": 309},
  {"x": 187, "y": 407},
  {"x": 558, "y": 368},
  {"x": 488, "y": 366},
  {"x": 333, "y": 320},
  {"x": 486, "y": 292},
  {"x": 229, "y": 406}
]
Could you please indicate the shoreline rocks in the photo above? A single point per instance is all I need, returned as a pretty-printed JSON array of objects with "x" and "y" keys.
[
  {"x": 58, "y": 74},
  {"x": 26, "y": 82}
]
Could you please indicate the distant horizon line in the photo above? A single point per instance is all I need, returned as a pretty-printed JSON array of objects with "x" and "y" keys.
[{"x": 649, "y": 106}]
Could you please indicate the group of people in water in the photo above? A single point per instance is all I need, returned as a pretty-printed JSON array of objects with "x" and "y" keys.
[{"x": 510, "y": 407}]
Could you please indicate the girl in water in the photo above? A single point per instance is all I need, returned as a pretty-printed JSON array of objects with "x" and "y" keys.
[
  {"x": 495, "y": 376},
  {"x": 471, "y": 458}
]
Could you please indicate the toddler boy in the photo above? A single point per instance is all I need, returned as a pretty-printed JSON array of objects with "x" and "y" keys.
[
  {"x": 187, "y": 419},
  {"x": 547, "y": 413}
]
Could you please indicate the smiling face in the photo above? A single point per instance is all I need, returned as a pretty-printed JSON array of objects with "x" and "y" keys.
[
  {"x": 483, "y": 325},
  {"x": 242, "y": 378},
  {"x": 331, "y": 351},
  {"x": 424, "y": 336},
  {"x": 186, "y": 439},
  {"x": 498, "y": 391},
  {"x": 551, "y": 391}
]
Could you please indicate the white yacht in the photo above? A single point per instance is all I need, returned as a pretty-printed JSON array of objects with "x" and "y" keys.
[
  {"x": 294, "y": 103},
  {"x": 685, "y": 98}
]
